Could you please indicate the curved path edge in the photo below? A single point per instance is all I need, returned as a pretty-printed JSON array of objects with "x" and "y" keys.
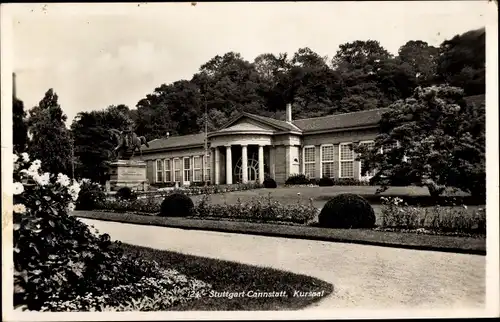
[{"x": 353, "y": 236}]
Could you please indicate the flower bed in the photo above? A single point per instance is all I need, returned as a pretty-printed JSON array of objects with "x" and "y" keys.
[
  {"x": 397, "y": 215},
  {"x": 202, "y": 190},
  {"x": 263, "y": 209},
  {"x": 61, "y": 265}
]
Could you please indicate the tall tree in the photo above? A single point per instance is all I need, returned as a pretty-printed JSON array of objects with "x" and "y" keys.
[
  {"x": 462, "y": 60},
  {"x": 422, "y": 58},
  {"x": 19, "y": 125},
  {"x": 51, "y": 141},
  {"x": 359, "y": 55},
  {"x": 432, "y": 139},
  {"x": 94, "y": 142}
]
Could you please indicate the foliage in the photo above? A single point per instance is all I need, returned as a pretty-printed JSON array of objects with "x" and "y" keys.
[
  {"x": 94, "y": 142},
  {"x": 263, "y": 209},
  {"x": 326, "y": 182},
  {"x": 177, "y": 205},
  {"x": 297, "y": 179},
  {"x": 19, "y": 125},
  {"x": 461, "y": 62},
  {"x": 397, "y": 214},
  {"x": 91, "y": 194},
  {"x": 50, "y": 141},
  {"x": 432, "y": 139},
  {"x": 59, "y": 263},
  {"x": 269, "y": 183},
  {"x": 126, "y": 193},
  {"x": 347, "y": 211}
]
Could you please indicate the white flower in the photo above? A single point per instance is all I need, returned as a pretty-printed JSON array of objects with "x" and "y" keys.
[
  {"x": 71, "y": 206},
  {"x": 14, "y": 158},
  {"x": 19, "y": 208},
  {"x": 25, "y": 156},
  {"x": 37, "y": 163},
  {"x": 43, "y": 179},
  {"x": 18, "y": 188},
  {"x": 465, "y": 207},
  {"x": 63, "y": 180},
  {"x": 74, "y": 190}
]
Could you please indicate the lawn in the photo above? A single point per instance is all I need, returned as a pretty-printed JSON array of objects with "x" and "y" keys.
[
  {"x": 320, "y": 195},
  {"x": 233, "y": 277}
]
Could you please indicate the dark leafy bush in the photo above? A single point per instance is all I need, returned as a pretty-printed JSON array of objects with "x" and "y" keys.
[
  {"x": 126, "y": 193},
  {"x": 297, "y": 179},
  {"x": 326, "y": 182},
  {"x": 91, "y": 194},
  {"x": 347, "y": 211},
  {"x": 350, "y": 182},
  {"x": 269, "y": 183},
  {"x": 177, "y": 205}
]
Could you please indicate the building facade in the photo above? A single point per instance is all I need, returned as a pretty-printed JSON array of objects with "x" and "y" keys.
[{"x": 250, "y": 146}]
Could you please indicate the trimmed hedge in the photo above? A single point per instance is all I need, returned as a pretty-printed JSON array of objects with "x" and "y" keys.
[
  {"x": 347, "y": 211},
  {"x": 270, "y": 183},
  {"x": 177, "y": 205},
  {"x": 326, "y": 182},
  {"x": 297, "y": 179},
  {"x": 126, "y": 193}
]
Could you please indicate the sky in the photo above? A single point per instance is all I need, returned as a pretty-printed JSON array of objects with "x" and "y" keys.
[{"x": 98, "y": 55}]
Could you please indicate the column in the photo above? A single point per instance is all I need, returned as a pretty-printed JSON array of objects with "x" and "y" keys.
[
  {"x": 217, "y": 165},
  {"x": 261, "y": 164},
  {"x": 229, "y": 165},
  {"x": 244, "y": 164},
  {"x": 272, "y": 161}
]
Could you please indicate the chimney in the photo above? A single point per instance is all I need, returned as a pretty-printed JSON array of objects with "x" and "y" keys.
[{"x": 289, "y": 113}]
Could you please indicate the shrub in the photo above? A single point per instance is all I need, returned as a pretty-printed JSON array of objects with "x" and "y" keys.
[
  {"x": 297, "y": 179},
  {"x": 126, "y": 193},
  {"x": 263, "y": 209},
  {"x": 177, "y": 205},
  {"x": 91, "y": 194},
  {"x": 325, "y": 182},
  {"x": 269, "y": 183},
  {"x": 347, "y": 211},
  {"x": 58, "y": 259}
]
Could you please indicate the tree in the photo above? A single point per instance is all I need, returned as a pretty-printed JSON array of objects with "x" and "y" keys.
[
  {"x": 359, "y": 55},
  {"x": 461, "y": 62},
  {"x": 19, "y": 125},
  {"x": 433, "y": 139},
  {"x": 422, "y": 58},
  {"x": 94, "y": 142},
  {"x": 51, "y": 141}
]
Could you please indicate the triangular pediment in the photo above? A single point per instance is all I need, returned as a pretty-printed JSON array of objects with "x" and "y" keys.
[{"x": 247, "y": 123}]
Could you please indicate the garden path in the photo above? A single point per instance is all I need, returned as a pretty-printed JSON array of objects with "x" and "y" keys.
[{"x": 369, "y": 277}]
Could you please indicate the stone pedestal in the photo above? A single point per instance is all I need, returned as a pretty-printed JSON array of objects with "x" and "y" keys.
[{"x": 128, "y": 173}]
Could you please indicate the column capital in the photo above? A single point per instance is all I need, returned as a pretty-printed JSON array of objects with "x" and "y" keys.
[
  {"x": 228, "y": 145},
  {"x": 244, "y": 145}
]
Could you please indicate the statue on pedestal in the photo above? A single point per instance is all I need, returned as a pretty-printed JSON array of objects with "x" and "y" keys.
[{"x": 126, "y": 140}]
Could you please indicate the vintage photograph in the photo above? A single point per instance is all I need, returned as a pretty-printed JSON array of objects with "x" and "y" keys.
[{"x": 324, "y": 159}]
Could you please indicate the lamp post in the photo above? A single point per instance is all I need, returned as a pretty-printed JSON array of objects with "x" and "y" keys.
[{"x": 206, "y": 138}]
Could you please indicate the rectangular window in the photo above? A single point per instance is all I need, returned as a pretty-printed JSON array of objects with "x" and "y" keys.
[
  {"x": 207, "y": 167},
  {"x": 168, "y": 171},
  {"x": 187, "y": 169},
  {"x": 310, "y": 161},
  {"x": 369, "y": 145},
  {"x": 327, "y": 161},
  {"x": 346, "y": 160},
  {"x": 197, "y": 168},
  {"x": 159, "y": 170},
  {"x": 177, "y": 170}
]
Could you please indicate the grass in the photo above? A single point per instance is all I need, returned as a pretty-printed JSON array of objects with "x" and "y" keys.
[
  {"x": 235, "y": 277},
  {"x": 467, "y": 245}
]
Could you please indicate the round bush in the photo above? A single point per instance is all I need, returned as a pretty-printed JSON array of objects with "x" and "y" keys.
[
  {"x": 347, "y": 211},
  {"x": 326, "y": 182},
  {"x": 177, "y": 205},
  {"x": 90, "y": 195},
  {"x": 126, "y": 193},
  {"x": 270, "y": 183},
  {"x": 297, "y": 179}
]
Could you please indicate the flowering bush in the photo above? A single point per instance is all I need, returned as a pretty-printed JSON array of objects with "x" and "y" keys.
[
  {"x": 58, "y": 259},
  {"x": 91, "y": 194},
  {"x": 397, "y": 214},
  {"x": 258, "y": 209}
]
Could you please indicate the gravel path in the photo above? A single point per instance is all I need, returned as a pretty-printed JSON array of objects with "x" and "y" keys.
[{"x": 370, "y": 277}]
